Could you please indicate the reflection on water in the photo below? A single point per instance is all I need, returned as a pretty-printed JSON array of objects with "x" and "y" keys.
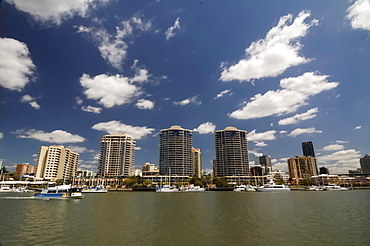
[{"x": 210, "y": 218}]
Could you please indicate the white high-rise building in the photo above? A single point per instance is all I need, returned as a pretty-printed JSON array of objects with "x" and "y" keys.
[
  {"x": 117, "y": 154},
  {"x": 56, "y": 162}
]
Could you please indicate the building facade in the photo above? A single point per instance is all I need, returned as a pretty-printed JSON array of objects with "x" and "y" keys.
[
  {"x": 302, "y": 167},
  {"x": 231, "y": 148},
  {"x": 56, "y": 162},
  {"x": 117, "y": 155},
  {"x": 175, "y": 151},
  {"x": 307, "y": 148},
  {"x": 24, "y": 168},
  {"x": 365, "y": 164},
  {"x": 149, "y": 169},
  {"x": 197, "y": 162}
]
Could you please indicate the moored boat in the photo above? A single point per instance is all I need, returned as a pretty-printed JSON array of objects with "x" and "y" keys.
[
  {"x": 192, "y": 188},
  {"x": 333, "y": 187},
  {"x": 98, "y": 189},
  {"x": 240, "y": 188},
  {"x": 58, "y": 192},
  {"x": 166, "y": 188},
  {"x": 271, "y": 186}
]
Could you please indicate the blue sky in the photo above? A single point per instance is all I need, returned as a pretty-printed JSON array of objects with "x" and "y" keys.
[{"x": 285, "y": 71}]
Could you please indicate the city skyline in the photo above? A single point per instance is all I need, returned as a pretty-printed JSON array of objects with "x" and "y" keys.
[{"x": 290, "y": 73}]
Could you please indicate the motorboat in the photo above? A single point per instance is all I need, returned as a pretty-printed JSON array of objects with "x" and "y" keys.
[
  {"x": 58, "y": 192},
  {"x": 166, "y": 188},
  {"x": 271, "y": 186},
  {"x": 333, "y": 187},
  {"x": 98, "y": 189},
  {"x": 192, "y": 188},
  {"x": 6, "y": 189},
  {"x": 240, "y": 188}
]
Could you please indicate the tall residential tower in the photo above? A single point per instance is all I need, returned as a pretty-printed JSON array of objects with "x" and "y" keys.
[
  {"x": 231, "y": 153},
  {"x": 175, "y": 151},
  {"x": 117, "y": 154}
]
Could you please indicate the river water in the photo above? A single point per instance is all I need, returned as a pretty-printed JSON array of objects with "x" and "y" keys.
[{"x": 208, "y": 218}]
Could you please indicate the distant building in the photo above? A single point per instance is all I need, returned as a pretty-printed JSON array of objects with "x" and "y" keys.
[
  {"x": 278, "y": 176},
  {"x": 231, "y": 148},
  {"x": 357, "y": 171},
  {"x": 307, "y": 148},
  {"x": 324, "y": 170},
  {"x": 149, "y": 170},
  {"x": 302, "y": 167},
  {"x": 257, "y": 171},
  {"x": 365, "y": 164},
  {"x": 56, "y": 162},
  {"x": 175, "y": 155},
  {"x": 84, "y": 174},
  {"x": 117, "y": 154},
  {"x": 197, "y": 162},
  {"x": 265, "y": 162},
  {"x": 24, "y": 168}
]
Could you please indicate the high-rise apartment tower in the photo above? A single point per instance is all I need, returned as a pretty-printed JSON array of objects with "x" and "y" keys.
[
  {"x": 117, "y": 154},
  {"x": 56, "y": 162},
  {"x": 197, "y": 162},
  {"x": 307, "y": 148},
  {"x": 302, "y": 167},
  {"x": 175, "y": 155},
  {"x": 365, "y": 164},
  {"x": 231, "y": 153}
]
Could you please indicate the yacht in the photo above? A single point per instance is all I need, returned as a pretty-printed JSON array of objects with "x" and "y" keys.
[
  {"x": 271, "y": 186},
  {"x": 61, "y": 191},
  {"x": 244, "y": 188},
  {"x": 333, "y": 187},
  {"x": 192, "y": 188},
  {"x": 5, "y": 189},
  {"x": 166, "y": 188},
  {"x": 98, "y": 189}
]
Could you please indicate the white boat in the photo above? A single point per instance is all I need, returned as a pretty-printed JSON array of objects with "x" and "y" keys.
[
  {"x": 166, "y": 188},
  {"x": 59, "y": 192},
  {"x": 240, "y": 188},
  {"x": 98, "y": 189},
  {"x": 192, "y": 188},
  {"x": 4, "y": 188},
  {"x": 271, "y": 186},
  {"x": 333, "y": 187}
]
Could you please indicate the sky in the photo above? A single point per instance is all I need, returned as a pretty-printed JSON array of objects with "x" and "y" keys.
[{"x": 285, "y": 71}]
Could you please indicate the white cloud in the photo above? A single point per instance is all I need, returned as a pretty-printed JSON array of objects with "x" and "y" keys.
[
  {"x": 300, "y": 131},
  {"x": 193, "y": 100},
  {"x": 144, "y": 104},
  {"x": 340, "y": 161},
  {"x": 31, "y": 101},
  {"x": 57, "y": 136},
  {"x": 79, "y": 101},
  {"x": 109, "y": 90},
  {"x": 113, "y": 126},
  {"x": 333, "y": 147},
  {"x": 16, "y": 66},
  {"x": 55, "y": 11},
  {"x": 223, "y": 93},
  {"x": 205, "y": 128},
  {"x": 113, "y": 48},
  {"x": 271, "y": 56},
  {"x": 79, "y": 149},
  {"x": 141, "y": 74},
  {"x": 171, "y": 32},
  {"x": 1, "y": 135},
  {"x": 358, "y": 127},
  {"x": 294, "y": 94},
  {"x": 137, "y": 148},
  {"x": 262, "y": 136},
  {"x": 341, "y": 142},
  {"x": 91, "y": 109},
  {"x": 310, "y": 114},
  {"x": 359, "y": 14},
  {"x": 260, "y": 143}
]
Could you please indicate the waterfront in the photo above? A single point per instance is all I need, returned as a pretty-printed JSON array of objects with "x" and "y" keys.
[{"x": 209, "y": 218}]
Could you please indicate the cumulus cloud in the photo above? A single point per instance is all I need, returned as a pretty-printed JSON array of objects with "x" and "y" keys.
[
  {"x": 340, "y": 161},
  {"x": 91, "y": 109},
  {"x": 359, "y": 14},
  {"x": 31, "y": 101},
  {"x": 333, "y": 147},
  {"x": 300, "y": 131},
  {"x": 262, "y": 136},
  {"x": 16, "y": 66},
  {"x": 79, "y": 149},
  {"x": 113, "y": 48},
  {"x": 57, "y": 136},
  {"x": 110, "y": 90},
  {"x": 171, "y": 31},
  {"x": 294, "y": 94},
  {"x": 310, "y": 114},
  {"x": 113, "y": 126},
  {"x": 358, "y": 127},
  {"x": 223, "y": 93},
  {"x": 144, "y": 104},
  {"x": 205, "y": 128},
  {"x": 55, "y": 11},
  {"x": 271, "y": 56},
  {"x": 193, "y": 100}
]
